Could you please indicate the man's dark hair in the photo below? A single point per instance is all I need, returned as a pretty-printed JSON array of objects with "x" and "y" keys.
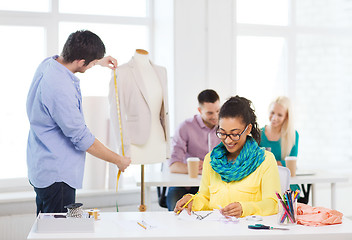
[
  {"x": 208, "y": 95},
  {"x": 85, "y": 45}
]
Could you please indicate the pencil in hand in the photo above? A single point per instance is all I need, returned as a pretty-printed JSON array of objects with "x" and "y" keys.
[{"x": 186, "y": 204}]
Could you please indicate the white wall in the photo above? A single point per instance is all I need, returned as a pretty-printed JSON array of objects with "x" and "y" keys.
[
  {"x": 203, "y": 52},
  {"x": 163, "y": 48}
]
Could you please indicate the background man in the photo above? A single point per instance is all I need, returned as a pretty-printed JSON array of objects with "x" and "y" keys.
[{"x": 195, "y": 137}]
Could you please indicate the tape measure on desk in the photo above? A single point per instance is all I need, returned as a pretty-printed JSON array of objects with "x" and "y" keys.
[
  {"x": 94, "y": 213},
  {"x": 120, "y": 125}
]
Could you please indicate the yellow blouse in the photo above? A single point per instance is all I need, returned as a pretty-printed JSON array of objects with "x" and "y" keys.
[{"x": 256, "y": 192}]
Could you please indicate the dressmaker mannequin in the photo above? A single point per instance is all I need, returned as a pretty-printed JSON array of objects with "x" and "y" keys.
[
  {"x": 154, "y": 150},
  {"x": 142, "y": 93}
]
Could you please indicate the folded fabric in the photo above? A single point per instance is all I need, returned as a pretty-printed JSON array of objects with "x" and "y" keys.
[{"x": 317, "y": 216}]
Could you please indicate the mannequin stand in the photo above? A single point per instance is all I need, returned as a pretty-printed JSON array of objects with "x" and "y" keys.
[{"x": 142, "y": 207}]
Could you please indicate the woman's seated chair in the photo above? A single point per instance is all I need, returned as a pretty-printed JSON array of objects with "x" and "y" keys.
[{"x": 285, "y": 174}]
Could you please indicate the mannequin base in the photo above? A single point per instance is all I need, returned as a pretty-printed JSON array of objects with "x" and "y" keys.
[{"x": 142, "y": 208}]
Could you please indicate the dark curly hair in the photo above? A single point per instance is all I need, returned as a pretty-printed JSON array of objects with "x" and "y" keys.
[
  {"x": 241, "y": 107},
  {"x": 85, "y": 45}
]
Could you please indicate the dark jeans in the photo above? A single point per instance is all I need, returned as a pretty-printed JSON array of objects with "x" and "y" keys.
[
  {"x": 54, "y": 198},
  {"x": 176, "y": 193}
]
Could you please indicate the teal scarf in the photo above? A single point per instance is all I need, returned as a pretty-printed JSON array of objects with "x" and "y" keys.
[{"x": 250, "y": 157}]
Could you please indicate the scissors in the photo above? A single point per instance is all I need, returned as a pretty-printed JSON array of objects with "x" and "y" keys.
[{"x": 261, "y": 226}]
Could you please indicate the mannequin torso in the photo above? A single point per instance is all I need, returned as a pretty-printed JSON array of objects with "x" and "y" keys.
[{"x": 154, "y": 150}]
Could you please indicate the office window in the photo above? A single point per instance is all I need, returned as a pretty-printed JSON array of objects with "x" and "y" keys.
[
  {"x": 324, "y": 13},
  {"x": 130, "y": 8},
  {"x": 125, "y": 27},
  {"x": 323, "y": 99},
  {"x": 303, "y": 52},
  {"x": 261, "y": 53},
  {"x": 323, "y": 82},
  {"x": 22, "y": 49},
  {"x": 120, "y": 42},
  {"x": 268, "y": 12},
  {"x": 261, "y": 71},
  {"x": 25, "y": 5}
]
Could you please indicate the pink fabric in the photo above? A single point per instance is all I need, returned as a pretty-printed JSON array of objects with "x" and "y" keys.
[{"x": 317, "y": 216}]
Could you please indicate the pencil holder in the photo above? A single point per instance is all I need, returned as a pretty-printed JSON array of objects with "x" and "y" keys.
[{"x": 287, "y": 212}]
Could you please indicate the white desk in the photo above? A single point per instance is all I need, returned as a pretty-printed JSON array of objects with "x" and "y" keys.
[
  {"x": 166, "y": 179},
  {"x": 123, "y": 225},
  {"x": 320, "y": 178}
]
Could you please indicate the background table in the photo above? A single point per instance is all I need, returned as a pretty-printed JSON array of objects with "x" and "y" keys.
[
  {"x": 123, "y": 225},
  {"x": 320, "y": 178},
  {"x": 167, "y": 179}
]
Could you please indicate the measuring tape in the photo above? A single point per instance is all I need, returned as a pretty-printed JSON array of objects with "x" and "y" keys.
[
  {"x": 120, "y": 125},
  {"x": 94, "y": 213}
]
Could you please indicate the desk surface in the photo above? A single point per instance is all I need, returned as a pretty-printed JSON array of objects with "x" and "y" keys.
[
  {"x": 167, "y": 179},
  {"x": 166, "y": 225}
]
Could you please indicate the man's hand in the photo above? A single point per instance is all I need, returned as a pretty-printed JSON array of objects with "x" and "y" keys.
[
  {"x": 100, "y": 151},
  {"x": 200, "y": 167},
  {"x": 123, "y": 163},
  {"x": 108, "y": 61},
  {"x": 179, "y": 167},
  {"x": 233, "y": 210}
]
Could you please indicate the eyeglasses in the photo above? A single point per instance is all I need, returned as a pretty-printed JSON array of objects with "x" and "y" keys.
[
  {"x": 200, "y": 217},
  {"x": 233, "y": 137}
]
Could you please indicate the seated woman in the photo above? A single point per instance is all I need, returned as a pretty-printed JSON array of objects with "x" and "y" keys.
[
  {"x": 280, "y": 135},
  {"x": 238, "y": 176}
]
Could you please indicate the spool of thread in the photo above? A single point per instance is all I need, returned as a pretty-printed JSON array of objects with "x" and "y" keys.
[
  {"x": 94, "y": 213},
  {"x": 74, "y": 210}
]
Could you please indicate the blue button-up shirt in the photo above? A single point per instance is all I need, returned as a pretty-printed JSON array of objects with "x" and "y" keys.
[{"x": 58, "y": 136}]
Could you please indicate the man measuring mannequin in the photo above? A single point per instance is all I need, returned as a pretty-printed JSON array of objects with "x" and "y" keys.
[{"x": 58, "y": 137}]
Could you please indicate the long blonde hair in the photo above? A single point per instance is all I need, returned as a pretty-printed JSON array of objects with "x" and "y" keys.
[{"x": 288, "y": 133}]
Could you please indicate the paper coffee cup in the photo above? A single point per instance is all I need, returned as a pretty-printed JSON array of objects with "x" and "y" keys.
[
  {"x": 291, "y": 163},
  {"x": 193, "y": 167}
]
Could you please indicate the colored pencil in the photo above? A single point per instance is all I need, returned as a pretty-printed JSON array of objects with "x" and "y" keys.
[{"x": 284, "y": 206}]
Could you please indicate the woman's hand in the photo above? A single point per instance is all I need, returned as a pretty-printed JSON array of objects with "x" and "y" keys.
[
  {"x": 108, "y": 61},
  {"x": 233, "y": 210},
  {"x": 180, "y": 203}
]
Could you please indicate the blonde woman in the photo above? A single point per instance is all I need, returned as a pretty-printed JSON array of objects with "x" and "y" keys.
[{"x": 279, "y": 136}]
